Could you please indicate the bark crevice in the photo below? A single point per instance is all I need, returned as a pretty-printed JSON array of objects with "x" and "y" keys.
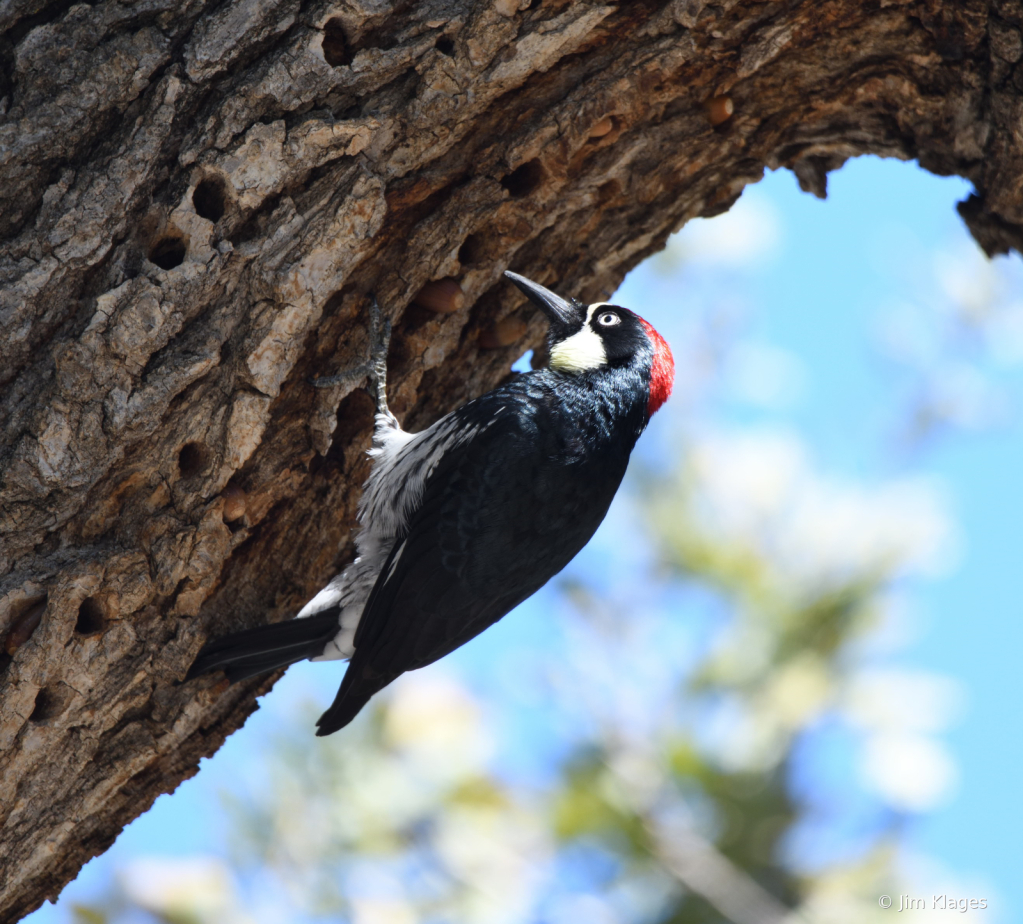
[{"x": 197, "y": 201}]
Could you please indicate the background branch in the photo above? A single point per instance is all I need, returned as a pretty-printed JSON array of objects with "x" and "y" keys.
[{"x": 195, "y": 200}]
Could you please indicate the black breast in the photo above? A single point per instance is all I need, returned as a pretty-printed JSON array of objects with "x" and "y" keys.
[{"x": 500, "y": 515}]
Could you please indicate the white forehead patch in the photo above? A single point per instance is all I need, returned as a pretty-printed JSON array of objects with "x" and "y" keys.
[{"x": 583, "y": 350}]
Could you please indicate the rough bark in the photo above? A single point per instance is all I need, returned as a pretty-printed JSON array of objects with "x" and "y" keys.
[{"x": 196, "y": 199}]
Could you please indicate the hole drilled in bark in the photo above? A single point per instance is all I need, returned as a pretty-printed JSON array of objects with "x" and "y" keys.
[
  {"x": 168, "y": 252},
  {"x": 335, "y": 46},
  {"x": 91, "y": 618},
  {"x": 608, "y": 191},
  {"x": 523, "y": 180},
  {"x": 192, "y": 459},
  {"x": 210, "y": 199},
  {"x": 471, "y": 250},
  {"x": 445, "y": 46},
  {"x": 49, "y": 704}
]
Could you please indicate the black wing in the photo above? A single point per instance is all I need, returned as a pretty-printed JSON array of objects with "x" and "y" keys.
[{"x": 499, "y": 517}]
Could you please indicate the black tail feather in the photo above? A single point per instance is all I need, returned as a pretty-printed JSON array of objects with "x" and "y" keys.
[
  {"x": 357, "y": 688},
  {"x": 267, "y": 648}
]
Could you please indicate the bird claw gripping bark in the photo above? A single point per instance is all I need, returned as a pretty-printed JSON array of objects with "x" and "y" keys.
[
  {"x": 380, "y": 334},
  {"x": 375, "y": 369}
]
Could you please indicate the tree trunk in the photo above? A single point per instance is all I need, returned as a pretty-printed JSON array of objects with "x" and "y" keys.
[{"x": 197, "y": 200}]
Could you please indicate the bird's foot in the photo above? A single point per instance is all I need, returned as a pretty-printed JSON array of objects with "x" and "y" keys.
[
  {"x": 375, "y": 369},
  {"x": 380, "y": 342},
  {"x": 342, "y": 378}
]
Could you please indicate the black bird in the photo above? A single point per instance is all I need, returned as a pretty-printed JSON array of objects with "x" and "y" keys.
[{"x": 462, "y": 522}]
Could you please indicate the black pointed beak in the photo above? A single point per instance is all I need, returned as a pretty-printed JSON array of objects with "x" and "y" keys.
[{"x": 560, "y": 312}]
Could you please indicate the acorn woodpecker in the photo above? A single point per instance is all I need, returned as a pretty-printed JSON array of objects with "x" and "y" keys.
[{"x": 462, "y": 522}]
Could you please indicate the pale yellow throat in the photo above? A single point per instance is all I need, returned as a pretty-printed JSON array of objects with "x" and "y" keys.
[{"x": 583, "y": 350}]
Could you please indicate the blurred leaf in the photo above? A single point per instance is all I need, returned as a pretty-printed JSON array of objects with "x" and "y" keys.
[{"x": 85, "y": 914}]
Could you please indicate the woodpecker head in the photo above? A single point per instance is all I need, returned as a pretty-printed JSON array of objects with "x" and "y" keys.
[{"x": 585, "y": 338}]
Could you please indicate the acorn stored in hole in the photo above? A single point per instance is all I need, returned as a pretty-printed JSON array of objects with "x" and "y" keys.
[
  {"x": 234, "y": 503},
  {"x": 603, "y": 127},
  {"x": 502, "y": 333},
  {"x": 442, "y": 295},
  {"x": 719, "y": 109}
]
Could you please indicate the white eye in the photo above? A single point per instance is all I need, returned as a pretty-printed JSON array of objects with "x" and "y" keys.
[{"x": 608, "y": 319}]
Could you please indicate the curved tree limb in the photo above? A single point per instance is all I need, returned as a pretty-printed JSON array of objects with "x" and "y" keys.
[{"x": 196, "y": 199}]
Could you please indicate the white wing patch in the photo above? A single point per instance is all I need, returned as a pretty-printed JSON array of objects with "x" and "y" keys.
[
  {"x": 401, "y": 464},
  {"x": 583, "y": 350}
]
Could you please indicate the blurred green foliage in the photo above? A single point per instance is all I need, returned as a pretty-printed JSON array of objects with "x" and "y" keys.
[{"x": 687, "y": 816}]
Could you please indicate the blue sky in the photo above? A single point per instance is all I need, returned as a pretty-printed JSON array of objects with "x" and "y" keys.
[
  {"x": 811, "y": 286},
  {"x": 818, "y": 291},
  {"x": 880, "y": 217}
]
